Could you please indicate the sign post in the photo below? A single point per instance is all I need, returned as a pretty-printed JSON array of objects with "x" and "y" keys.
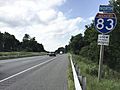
[
  {"x": 100, "y": 62},
  {"x": 104, "y": 23}
]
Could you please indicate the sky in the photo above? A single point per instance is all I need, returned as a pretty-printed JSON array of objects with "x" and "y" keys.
[{"x": 52, "y": 22}]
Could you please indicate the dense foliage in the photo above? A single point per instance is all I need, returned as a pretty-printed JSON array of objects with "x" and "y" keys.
[
  {"x": 60, "y": 49},
  {"x": 87, "y": 45},
  {"x": 9, "y": 43}
]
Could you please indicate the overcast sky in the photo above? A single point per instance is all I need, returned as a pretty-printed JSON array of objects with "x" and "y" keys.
[{"x": 52, "y": 22}]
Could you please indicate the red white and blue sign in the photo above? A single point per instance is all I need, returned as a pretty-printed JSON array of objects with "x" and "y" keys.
[{"x": 105, "y": 22}]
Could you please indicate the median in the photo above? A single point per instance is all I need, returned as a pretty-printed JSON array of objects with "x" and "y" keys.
[{"x": 11, "y": 55}]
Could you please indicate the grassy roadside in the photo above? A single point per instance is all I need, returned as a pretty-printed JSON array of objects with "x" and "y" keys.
[
  {"x": 70, "y": 77},
  {"x": 11, "y": 55},
  {"x": 110, "y": 80}
]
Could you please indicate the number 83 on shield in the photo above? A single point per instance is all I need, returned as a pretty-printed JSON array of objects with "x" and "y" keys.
[{"x": 105, "y": 23}]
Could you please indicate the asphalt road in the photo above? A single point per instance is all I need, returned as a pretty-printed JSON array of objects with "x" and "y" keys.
[{"x": 34, "y": 73}]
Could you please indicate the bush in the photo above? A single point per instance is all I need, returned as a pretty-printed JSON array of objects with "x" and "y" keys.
[
  {"x": 110, "y": 80},
  {"x": 91, "y": 52}
]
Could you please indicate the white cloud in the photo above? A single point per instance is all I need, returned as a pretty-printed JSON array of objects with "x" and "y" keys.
[
  {"x": 91, "y": 18},
  {"x": 47, "y": 15},
  {"x": 40, "y": 19}
]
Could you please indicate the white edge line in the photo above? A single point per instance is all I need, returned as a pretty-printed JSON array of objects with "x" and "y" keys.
[
  {"x": 76, "y": 81},
  {"x": 26, "y": 70}
]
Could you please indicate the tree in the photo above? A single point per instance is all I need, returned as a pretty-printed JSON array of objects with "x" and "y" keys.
[
  {"x": 31, "y": 45},
  {"x": 10, "y": 43},
  {"x": 66, "y": 48},
  {"x": 60, "y": 49},
  {"x": 26, "y": 37},
  {"x": 90, "y": 34},
  {"x": 112, "y": 53},
  {"x": 90, "y": 49},
  {"x": 26, "y": 43},
  {"x": 1, "y": 41},
  {"x": 40, "y": 48},
  {"x": 76, "y": 43}
]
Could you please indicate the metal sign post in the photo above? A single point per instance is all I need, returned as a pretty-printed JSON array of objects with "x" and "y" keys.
[
  {"x": 100, "y": 62},
  {"x": 102, "y": 40}
]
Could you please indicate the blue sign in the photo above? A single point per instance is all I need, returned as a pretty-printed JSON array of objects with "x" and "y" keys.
[
  {"x": 106, "y": 8},
  {"x": 105, "y": 22}
]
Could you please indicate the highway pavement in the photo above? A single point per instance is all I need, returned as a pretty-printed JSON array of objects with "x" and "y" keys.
[{"x": 34, "y": 73}]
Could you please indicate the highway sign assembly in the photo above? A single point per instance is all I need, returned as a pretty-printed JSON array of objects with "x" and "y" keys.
[
  {"x": 106, "y": 8},
  {"x": 103, "y": 39},
  {"x": 105, "y": 22}
]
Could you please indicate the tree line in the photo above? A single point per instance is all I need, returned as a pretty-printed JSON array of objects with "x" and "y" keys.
[
  {"x": 9, "y": 43},
  {"x": 86, "y": 45}
]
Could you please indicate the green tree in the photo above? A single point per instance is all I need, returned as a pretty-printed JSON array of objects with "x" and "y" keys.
[
  {"x": 26, "y": 37},
  {"x": 10, "y": 43},
  {"x": 76, "y": 43},
  {"x": 90, "y": 34},
  {"x": 26, "y": 43},
  {"x": 67, "y": 48},
  {"x": 60, "y": 49},
  {"x": 31, "y": 45},
  {"x": 112, "y": 53},
  {"x": 90, "y": 49},
  {"x": 1, "y": 41}
]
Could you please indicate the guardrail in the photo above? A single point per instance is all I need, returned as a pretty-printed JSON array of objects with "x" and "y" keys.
[{"x": 79, "y": 81}]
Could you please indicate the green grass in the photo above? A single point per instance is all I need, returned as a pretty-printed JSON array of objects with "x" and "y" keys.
[
  {"x": 70, "y": 78},
  {"x": 10, "y": 55},
  {"x": 110, "y": 80}
]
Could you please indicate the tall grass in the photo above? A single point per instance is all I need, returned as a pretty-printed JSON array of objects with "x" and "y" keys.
[
  {"x": 110, "y": 79},
  {"x": 70, "y": 77}
]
